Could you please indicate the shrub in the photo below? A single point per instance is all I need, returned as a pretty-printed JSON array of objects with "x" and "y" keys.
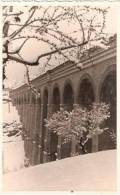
[{"x": 83, "y": 123}]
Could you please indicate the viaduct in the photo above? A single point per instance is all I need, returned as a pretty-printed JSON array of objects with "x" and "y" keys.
[{"x": 64, "y": 87}]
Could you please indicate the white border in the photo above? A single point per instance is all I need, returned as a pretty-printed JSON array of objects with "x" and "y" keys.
[{"x": 118, "y": 94}]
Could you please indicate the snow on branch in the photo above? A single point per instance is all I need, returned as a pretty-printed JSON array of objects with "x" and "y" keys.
[
  {"x": 83, "y": 123},
  {"x": 66, "y": 31},
  {"x": 54, "y": 19}
]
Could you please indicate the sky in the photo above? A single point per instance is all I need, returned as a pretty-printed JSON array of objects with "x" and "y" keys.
[{"x": 16, "y": 72}]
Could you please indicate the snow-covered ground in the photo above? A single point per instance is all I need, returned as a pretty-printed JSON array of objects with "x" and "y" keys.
[
  {"x": 13, "y": 155},
  {"x": 13, "y": 145},
  {"x": 96, "y": 171}
]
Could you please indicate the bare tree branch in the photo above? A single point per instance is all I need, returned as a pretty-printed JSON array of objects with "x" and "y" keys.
[
  {"x": 81, "y": 26},
  {"x": 90, "y": 29},
  {"x": 27, "y": 21},
  {"x": 13, "y": 14},
  {"x": 44, "y": 24},
  {"x": 35, "y": 63},
  {"x": 21, "y": 46}
]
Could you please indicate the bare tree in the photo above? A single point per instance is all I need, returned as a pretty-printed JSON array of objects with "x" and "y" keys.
[{"x": 67, "y": 32}]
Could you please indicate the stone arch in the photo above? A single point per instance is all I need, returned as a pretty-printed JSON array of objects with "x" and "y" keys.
[
  {"x": 107, "y": 94},
  {"x": 36, "y": 126},
  {"x": 109, "y": 70},
  {"x": 28, "y": 97},
  {"x": 55, "y": 108},
  {"x": 68, "y": 95},
  {"x": 33, "y": 98},
  {"x": 86, "y": 91},
  {"x": 24, "y": 108},
  {"x": 68, "y": 101},
  {"x": 44, "y": 116},
  {"x": 24, "y": 98},
  {"x": 20, "y": 106},
  {"x": 45, "y": 102},
  {"x": 18, "y": 100},
  {"x": 56, "y": 98},
  {"x": 86, "y": 96},
  {"x": 38, "y": 98}
]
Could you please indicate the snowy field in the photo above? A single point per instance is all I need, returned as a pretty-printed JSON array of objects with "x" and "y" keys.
[{"x": 96, "y": 171}]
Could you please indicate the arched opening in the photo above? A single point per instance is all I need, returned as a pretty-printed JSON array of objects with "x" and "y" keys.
[
  {"x": 31, "y": 124},
  {"x": 56, "y": 100},
  {"x": 25, "y": 99},
  {"x": 68, "y": 98},
  {"x": 86, "y": 98},
  {"x": 45, "y": 102},
  {"x": 53, "y": 136},
  {"x": 28, "y": 98},
  {"x": 45, "y": 112},
  {"x": 86, "y": 93},
  {"x": 24, "y": 124},
  {"x": 33, "y": 99},
  {"x": 19, "y": 106},
  {"x": 108, "y": 95},
  {"x": 37, "y": 129},
  {"x": 27, "y": 123}
]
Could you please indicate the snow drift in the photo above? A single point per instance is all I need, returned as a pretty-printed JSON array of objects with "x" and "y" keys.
[{"x": 96, "y": 171}]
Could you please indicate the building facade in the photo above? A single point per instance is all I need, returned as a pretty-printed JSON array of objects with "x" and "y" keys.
[{"x": 63, "y": 88}]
